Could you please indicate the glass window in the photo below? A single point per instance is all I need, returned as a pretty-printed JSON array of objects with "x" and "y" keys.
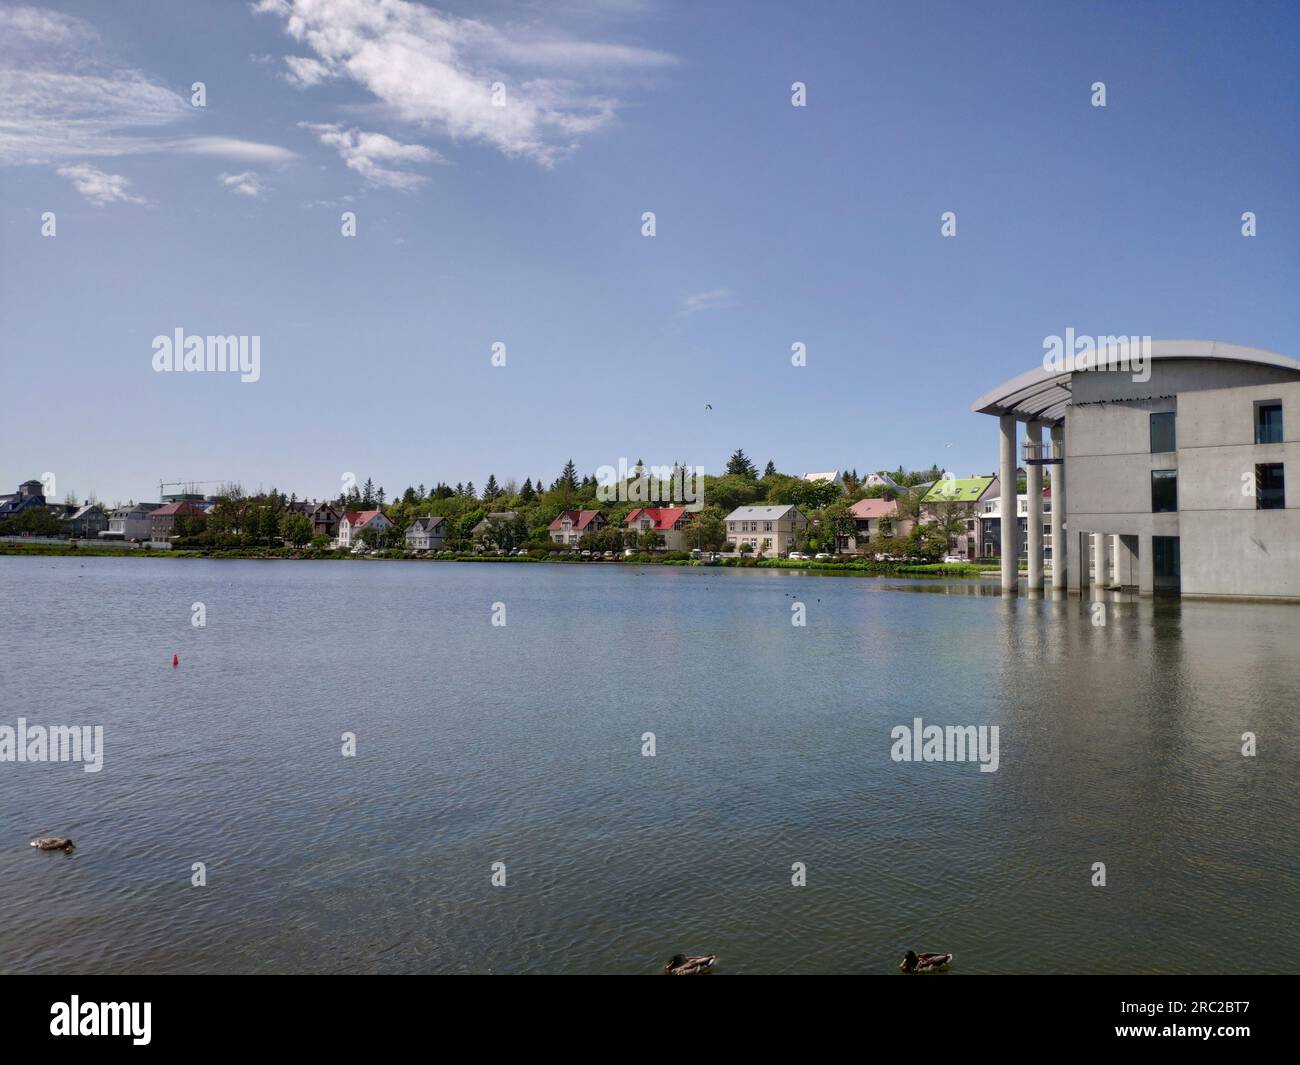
[
  {"x": 1270, "y": 486},
  {"x": 1164, "y": 491},
  {"x": 1268, "y": 422},
  {"x": 1164, "y": 435}
]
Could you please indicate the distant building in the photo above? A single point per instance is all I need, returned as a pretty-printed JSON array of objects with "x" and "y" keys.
[
  {"x": 162, "y": 522},
  {"x": 669, "y": 522},
  {"x": 990, "y": 526},
  {"x": 88, "y": 519},
  {"x": 966, "y": 496},
  {"x": 30, "y": 494},
  {"x": 426, "y": 534},
  {"x": 570, "y": 526},
  {"x": 354, "y": 521},
  {"x": 130, "y": 522},
  {"x": 874, "y": 519},
  {"x": 827, "y": 477},
  {"x": 771, "y": 530},
  {"x": 324, "y": 520},
  {"x": 881, "y": 480}
]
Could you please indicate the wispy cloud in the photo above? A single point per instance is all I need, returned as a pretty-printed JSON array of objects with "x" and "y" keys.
[
  {"x": 375, "y": 156},
  {"x": 435, "y": 72},
  {"x": 97, "y": 186},
  {"x": 245, "y": 184},
  {"x": 59, "y": 100},
  {"x": 713, "y": 299}
]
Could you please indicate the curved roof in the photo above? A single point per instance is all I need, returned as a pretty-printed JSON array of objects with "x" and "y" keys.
[{"x": 1042, "y": 395}]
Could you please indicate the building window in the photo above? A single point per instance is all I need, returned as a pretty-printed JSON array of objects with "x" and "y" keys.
[
  {"x": 1164, "y": 434},
  {"x": 1164, "y": 491},
  {"x": 1268, "y": 422},
  {"x": 1270, "y": 486}
]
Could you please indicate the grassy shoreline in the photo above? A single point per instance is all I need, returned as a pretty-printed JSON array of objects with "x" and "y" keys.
[{"x": 935, "y": 569}]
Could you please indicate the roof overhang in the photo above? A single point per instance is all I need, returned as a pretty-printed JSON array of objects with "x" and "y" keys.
[{"x": 1042, "y": 394}]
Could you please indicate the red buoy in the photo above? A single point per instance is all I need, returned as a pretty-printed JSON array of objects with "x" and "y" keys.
[{"x": 176, "y": 661}]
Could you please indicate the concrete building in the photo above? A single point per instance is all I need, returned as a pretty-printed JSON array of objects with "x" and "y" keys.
[
  {"x": 990, "y": 527},
  {"x": 1172, "y": 478}
]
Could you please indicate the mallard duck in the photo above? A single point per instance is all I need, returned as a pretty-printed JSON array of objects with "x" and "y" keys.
[
  {"x": 923, "y": 963},
  {"x": 53, "y": 843},
  {"x": 681, "y": 965}
]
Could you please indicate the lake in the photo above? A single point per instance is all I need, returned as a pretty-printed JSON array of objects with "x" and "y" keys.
[{"x": 522, "y": 744}]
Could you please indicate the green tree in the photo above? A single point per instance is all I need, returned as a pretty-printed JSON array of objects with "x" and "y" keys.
[
  {"x": 740, "y": 466},
  {"x": 297, "y": 529}
]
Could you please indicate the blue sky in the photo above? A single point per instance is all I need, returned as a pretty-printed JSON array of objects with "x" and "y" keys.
[{"x": 522, "y": 225}]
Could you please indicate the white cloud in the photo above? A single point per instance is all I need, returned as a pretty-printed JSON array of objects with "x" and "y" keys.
[
  {"x": 435, "y": 71},
  {"x": 375, "y": 156},
  {"x": 59, "y": 100},
  {"x": 97, "y": 186},
  {"x": 713, "y": 299},
  {"x": 245, "y": 184}
]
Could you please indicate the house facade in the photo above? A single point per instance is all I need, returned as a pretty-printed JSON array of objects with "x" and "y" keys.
[
  {"x": 990, "y": 525},
  {"x": 426, "y": 534},
  {"x": 30, "y": 494},
  {"x": 669, "y": 522},
  {"x": 873, "y": 519},
  {"x": 87, "y": 520},
  {"x": 162, "y": 522},
  {"x": 771, "y": 530},
  {"x": 354, "y": 521},
  {"x": 963, "y": 497},
  {"x": 131, "y": 522},
  {"x": 571, "y": 525}
]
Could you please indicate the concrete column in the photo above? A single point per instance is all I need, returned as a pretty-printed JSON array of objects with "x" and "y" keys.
[
  {"x": 1059, "y": 552},
  {"x": 1101, "y": 560},
  {"x": 1077, "y": 574},
  {"x": 1007, "y": 478},
  {"x": 1034, "y": 519},
  {"x": 1146, "y": 565}
]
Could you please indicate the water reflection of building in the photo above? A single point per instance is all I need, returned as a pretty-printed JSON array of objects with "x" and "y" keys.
[{"x": 1174, "y": 481}]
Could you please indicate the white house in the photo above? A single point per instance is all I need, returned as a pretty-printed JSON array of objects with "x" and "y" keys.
[
  {"x": 132, "y": 522},
  {"x": 354, "y": 521}
]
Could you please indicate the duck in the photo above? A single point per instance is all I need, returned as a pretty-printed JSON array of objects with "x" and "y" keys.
[
  {"x": 681, "y": 965},
  {"x": 923, "y": 963},
  {"x": 53, "y": 843}
]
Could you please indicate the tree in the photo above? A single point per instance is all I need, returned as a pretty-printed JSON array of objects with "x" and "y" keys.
[
  {"x": 708, "y": 532},
  {"x": 526, "y": 494},
  {"x": 769, "y": 469},
  {"x": 297, "y": 529},
  {"x": 368, "y": 494},
  {"x": 491, "y": 490},
  {"x": 649, "y": 540},
  {"x": 740, "y": 466}
]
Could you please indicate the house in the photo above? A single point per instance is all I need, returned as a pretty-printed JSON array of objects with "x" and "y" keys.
[
  {"x": 426, "y": 534},
  {"x": 162, "y": 522},
  {"x": 570, "y": 526},
  {"x": 874, "y": 519},
  {"x": 771, "y": 530},
  {"x": 131, "y": 522},
  {"x": 669, "y": 522},
  {"x": 828, "y": 477},
  {"x": 881, "y": 480},
  {"x": 354, "y": 522},
  {"x": 88, "y": 519},
  {"x": 30, "y": 494},
  {"x": 324, "y": 519},
  {"x": 959, "y": 499},
  {"x": 486, "y": 530},
  {"x": 990, "y": 526}
]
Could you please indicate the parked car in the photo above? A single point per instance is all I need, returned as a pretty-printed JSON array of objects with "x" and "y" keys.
[
  {"x": 796, "y": 555},
  {"x": 608, "y": 556},
  {"x": 822, "y": 555},
  {"x": 953, "y": 558}
]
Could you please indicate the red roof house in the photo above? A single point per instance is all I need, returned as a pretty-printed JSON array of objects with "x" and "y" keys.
[{"x": 668, "y": 522}]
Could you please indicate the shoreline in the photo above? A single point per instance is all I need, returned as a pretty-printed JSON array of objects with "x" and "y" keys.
[{"x": 877, "y": 569}]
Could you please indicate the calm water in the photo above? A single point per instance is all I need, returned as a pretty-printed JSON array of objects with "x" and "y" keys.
[{"x": 522, "y": 744}]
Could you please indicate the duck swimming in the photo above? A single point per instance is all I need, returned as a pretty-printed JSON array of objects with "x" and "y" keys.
[
  {"x": 53, "y": 843},
  {"x": 681, "y": 965},
  {"x": 923, "y": 963}
]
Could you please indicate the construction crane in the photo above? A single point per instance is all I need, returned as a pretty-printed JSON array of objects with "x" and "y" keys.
[{"x": 186, "y": 486}]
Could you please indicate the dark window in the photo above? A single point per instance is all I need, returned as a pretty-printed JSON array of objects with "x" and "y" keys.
[
  {"x": 1164, "y": 490},
  {"x": 1270, "y": 486},
  {"x": 1268, "y": 422},
  {"x": 1164, "y": 435}
]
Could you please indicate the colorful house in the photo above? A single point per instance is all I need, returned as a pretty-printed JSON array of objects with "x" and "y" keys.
[
  {"x": 570, "y": 525},
  {"x": 669, "y": 522}
]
